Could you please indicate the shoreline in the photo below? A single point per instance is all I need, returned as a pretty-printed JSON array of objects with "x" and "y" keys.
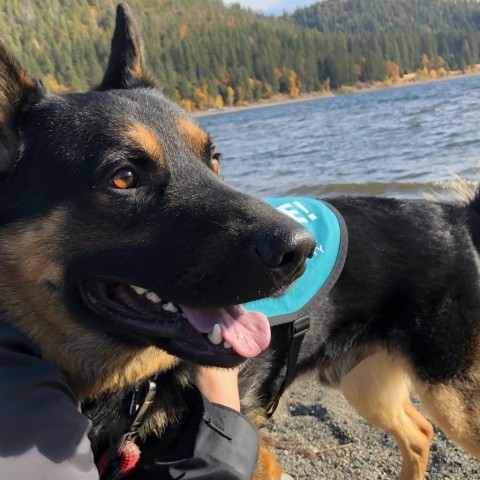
[
  {"x": 272, "y": 102},
  {"x": 281, "y": 99}
]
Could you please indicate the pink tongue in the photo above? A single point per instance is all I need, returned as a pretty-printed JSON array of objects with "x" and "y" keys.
[{"x": 247, "y": 332}]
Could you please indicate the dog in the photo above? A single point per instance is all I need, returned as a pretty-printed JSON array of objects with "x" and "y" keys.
[
  {"x": 404, "y": 314},
  {"x": 111, "y": 198},
  {"x": 113, "y": 218}
]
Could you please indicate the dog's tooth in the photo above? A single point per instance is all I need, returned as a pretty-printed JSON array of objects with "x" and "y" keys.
[
  {"x": 138, "y": 290},
  {"x": 215, "y": 336},
  {"x": 170, "y": 307},
  {"x": 226, "y": 345},
  {"x": 153, "y": 297}
]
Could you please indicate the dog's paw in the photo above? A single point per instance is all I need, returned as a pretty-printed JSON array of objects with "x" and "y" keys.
[{"x": 267, "y": 467}]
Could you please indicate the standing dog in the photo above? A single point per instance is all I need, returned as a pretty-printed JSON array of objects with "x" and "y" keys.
[{"x": 405, "y": 312}]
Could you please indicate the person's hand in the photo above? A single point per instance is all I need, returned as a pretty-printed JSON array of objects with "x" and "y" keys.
[{"x": 220, "y": 385}]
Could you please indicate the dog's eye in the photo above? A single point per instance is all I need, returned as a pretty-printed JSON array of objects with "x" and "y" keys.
[
  {"x": 125, "y": 178},
  {"x": 215, "y": 163}
]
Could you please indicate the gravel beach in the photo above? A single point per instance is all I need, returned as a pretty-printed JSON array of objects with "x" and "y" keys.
[{"x": 317, "y": 435}]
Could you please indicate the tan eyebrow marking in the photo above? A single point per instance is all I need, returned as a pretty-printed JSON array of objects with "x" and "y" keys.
[
  {"x": 142, "y": 137},
  {"x": 195, "y": 136}
]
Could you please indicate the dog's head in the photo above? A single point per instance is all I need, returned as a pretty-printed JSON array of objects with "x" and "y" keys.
[{"x": 118, "y": 240}]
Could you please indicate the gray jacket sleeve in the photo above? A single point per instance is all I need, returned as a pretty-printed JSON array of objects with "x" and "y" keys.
[{"x": 43, "y": 435}]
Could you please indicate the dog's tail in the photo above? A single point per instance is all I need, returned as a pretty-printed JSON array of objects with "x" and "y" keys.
[{"x": 466, "y": 191}]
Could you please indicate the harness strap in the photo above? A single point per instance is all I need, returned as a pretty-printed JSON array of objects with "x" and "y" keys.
[{"x": 298, "y": 330}]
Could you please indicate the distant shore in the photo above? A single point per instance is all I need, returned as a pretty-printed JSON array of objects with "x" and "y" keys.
[
  {"x": 279, "y": 99},
  {"x": 283, "y": 99}
]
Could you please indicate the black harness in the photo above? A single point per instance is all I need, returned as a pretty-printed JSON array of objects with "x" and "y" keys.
[{"x": 298, "y": 329}]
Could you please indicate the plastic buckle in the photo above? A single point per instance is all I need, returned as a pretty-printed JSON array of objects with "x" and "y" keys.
[{"x": 300, "y": 326}]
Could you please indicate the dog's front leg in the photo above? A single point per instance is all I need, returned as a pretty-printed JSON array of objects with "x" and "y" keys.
[{"x": 267, "y": 467}]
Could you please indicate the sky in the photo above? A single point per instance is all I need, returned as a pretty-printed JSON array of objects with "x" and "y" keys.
[{"x": 272, "y": 6}]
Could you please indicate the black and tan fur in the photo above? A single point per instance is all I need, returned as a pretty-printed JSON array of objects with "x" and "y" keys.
[{"x": 404, "y": 313}]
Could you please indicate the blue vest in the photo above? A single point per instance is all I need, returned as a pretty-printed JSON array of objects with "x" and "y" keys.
[{"x": 323, "y": 269}]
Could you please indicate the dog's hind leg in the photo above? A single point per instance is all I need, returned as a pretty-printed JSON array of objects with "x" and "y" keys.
[
  {"x": 455, "y": 408},
  {"x": 378, "y": 389}
]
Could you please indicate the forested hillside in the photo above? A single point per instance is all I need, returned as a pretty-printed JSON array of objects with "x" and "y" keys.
[
  {"x": 432, "y": 36},
  {"x": 357, "y": 16},
  {"x": 205, "y": 54}
]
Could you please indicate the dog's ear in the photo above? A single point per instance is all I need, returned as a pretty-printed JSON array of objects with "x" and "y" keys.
[
  {"x": 126, "y": 65},
  {"x": 18, "y": 91}
]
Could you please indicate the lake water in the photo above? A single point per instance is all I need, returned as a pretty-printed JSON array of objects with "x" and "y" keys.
[{"x": 402, "y": 142}]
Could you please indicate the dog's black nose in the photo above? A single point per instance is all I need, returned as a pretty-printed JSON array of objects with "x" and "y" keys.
[{"x": 285, "y": 251}]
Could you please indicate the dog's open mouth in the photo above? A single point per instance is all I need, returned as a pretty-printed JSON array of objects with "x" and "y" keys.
[{"x": 222, "y": 335}]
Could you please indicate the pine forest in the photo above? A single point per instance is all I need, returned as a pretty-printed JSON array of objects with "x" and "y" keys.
[{"x": 206, "y": 55}]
